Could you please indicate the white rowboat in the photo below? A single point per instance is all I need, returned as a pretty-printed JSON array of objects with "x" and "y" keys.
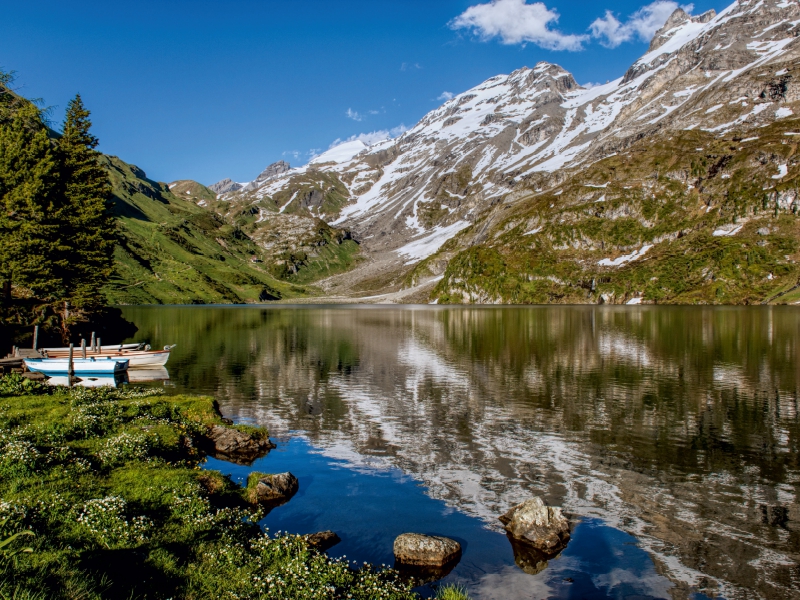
[
  {"x": 139, "y": 359},
  {"x": 80, "y": 366},
  {"x": 116, "y": 348}
]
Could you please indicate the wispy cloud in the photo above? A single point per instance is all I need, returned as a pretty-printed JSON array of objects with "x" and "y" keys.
[
  {"x": 641, "y": 25},
  {"x": 410, "y": 66},
  {"x": 373, "y": 137},
  {"x": 356, "y": 116},
  {"x": 517, "y": 22},
  {"x": 445, "y": 96}
]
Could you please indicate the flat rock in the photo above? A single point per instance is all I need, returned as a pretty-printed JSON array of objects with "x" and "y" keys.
[
  {"x": 425, "y": 550},
  {"x": 237, "y": 446},
  {"x": 323, "y": 540},
  {"x": 537, "y": 524},
  {"x": 277, "y": 487}
]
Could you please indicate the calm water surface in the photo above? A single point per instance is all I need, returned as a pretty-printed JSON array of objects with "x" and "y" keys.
[{"x": 671, "y": 434}]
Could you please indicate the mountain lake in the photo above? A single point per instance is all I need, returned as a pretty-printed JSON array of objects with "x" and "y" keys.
[{"x": 669, "y": 435}]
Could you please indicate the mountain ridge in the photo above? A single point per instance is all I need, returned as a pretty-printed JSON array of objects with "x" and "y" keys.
[{"x": 515, "y": 136}]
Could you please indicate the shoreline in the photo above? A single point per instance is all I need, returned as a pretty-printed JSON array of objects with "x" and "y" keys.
[{"x": 110, "y": 485}]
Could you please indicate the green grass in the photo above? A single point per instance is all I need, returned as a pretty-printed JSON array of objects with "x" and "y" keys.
[
  {"x": 452, "y": 592},
  {"x": 110, "y": 485}
]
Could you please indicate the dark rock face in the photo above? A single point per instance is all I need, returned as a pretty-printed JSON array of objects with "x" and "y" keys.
[
  {"x": 538, "y": 525},
  {"x": 416, "y": 549},
  {"x": 776, "y": 516},
  {"x": 531, "y": 560},
  {"x": 236, "y": 446},
  {"x": 323, "y": 540},
  {"x": 277, "y": 488}
]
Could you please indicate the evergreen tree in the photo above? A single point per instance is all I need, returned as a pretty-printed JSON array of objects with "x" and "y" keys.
[
  {"x": 88, "y": 227},
  {"x": 30, "y": 234}
]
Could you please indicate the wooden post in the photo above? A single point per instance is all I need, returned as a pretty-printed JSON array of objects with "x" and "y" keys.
[
  {"x": 83, "y": 348},
  {"x": 99, "y": 346},
  {"x": 35, "y": 337},
  {"x": 70, "y": 368},
  {"x": 93, "y": 342}
]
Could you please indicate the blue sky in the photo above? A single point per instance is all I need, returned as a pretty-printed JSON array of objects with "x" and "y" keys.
[{"x": 205, "y": 90}]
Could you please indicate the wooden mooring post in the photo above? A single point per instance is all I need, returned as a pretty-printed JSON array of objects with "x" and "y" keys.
[
  {"x": 36, "y": 337},
  {"x": 83, "y": 348},
  {"x": 99, "y": 346},
  {"x": 70, "y": 368},
  {"x": 93, "y": 343}
]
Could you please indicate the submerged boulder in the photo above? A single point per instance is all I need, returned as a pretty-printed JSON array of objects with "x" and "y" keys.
[
  {"x": 537, "y": 524},
  {"x": 277, "y": 488},
  {"x": 425, "y": 550},
  {"x": 322, "y": 540},
  {"x": 237, "y": 446}
]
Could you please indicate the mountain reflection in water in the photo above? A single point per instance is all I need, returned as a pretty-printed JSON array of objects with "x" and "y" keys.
[{"x": 675, "y": 425}]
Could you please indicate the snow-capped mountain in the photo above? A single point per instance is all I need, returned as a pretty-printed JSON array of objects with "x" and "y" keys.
[{"x": 523, "y": 133}]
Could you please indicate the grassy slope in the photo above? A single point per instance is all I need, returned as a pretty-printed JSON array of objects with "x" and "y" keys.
[
  {"x": 671, "y": 193},
  {"x": 108, "y": 484},
  {"x": 173, "y": 251}
]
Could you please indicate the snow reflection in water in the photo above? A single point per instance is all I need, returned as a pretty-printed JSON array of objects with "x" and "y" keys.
[{"x": 677, "y": 426}]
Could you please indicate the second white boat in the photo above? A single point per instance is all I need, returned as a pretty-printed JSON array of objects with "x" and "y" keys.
[{"x": 80, "y": 366}]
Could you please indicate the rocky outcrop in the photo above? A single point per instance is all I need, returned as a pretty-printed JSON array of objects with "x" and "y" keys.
[
  {"x": 271, "y": 172},
  {"x": 322, "y": 540},
  {"x": 236, "y": 446},
  {"x": 416, "y": 549},
  {"x": 279, "y": 487},
  {"x": 542, "y": 527},
  {"x": 225, "y": 186}
]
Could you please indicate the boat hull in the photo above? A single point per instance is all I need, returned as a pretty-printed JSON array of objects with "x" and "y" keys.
[
  {"x": 137, "y": 359},
  {"x": 80, "y": 366}
]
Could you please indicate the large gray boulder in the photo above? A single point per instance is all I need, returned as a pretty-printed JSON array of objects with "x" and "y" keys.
[
  {"x": 277, "y": 488},
  {"x": 537, "y": 524},
  {"x": 425, "y": 550}
]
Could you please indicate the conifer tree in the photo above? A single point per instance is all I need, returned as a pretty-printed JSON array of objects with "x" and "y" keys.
[
  {"x": 88, "y": 227},
  {"x": 29, "y": 208}
]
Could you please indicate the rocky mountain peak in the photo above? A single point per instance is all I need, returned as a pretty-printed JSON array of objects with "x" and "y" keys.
[
  {"x": 225, "y": 186},
  {"x": 274, "y": 170},
  {"x": 271, "y": 172}
]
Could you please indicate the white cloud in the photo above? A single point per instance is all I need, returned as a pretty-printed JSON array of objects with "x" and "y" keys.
[
  {"x": 408, "y": 66},
  {"x": 373, "y": 137},
  {"x": 641, "y": 25},
  {"x": 517, "y": 22},
  {"x": 351, "y": 114},
  {"x": 445, "y": 96}
]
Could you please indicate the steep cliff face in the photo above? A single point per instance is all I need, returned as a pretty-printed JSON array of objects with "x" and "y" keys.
[{"x": 489, "y": 152}]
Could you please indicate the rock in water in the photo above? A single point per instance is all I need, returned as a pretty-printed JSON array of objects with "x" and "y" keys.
[
  {"x": 237, "y": 446},
  {"x": 279, "y": 487},
  {"x": 425, "y": 550},
  {"x": 541, "y": 526},
  {"x": 323, "y": 540}
]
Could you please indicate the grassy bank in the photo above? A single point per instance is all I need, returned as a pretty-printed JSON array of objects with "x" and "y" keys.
[{"x": 109, "y": 486}]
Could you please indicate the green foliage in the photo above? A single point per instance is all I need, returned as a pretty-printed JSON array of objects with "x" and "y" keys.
[
  {"x": 56, "y": 234},
  {"x": 109, "y": 482},
  {"x": 90, "y": 231},
  {"x": 30, "y": 207},
  {"x": 452, "y": 592}
]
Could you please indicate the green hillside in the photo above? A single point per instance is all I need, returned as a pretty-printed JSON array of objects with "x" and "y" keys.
[{"x": 171, "y": 250}]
